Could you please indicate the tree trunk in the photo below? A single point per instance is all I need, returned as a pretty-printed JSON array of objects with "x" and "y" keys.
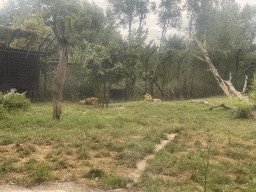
[
  {"x": 226, "y": 86},
  {"x": 59, "y": 78},
  {"x": 237, "y": 66}
]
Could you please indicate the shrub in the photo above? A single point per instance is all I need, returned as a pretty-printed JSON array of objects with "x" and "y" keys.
[
  {"x": 253, "y": 89},
  {"x": 246, "y": 109},
  {"x": 41, "y": 173},
  {"x": 13, "y": 101},
  {"x": 94, "y": 172},
  {"x": 243, "y": 108},
  {"x": 2, "y": 109}
]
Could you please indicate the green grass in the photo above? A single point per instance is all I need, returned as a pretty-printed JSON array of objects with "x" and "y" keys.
[{"x": 89, "y": 141}]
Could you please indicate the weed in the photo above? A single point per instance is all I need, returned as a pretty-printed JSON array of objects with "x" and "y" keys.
[
  {"x": 94, "y": 172},
  {"x": 69, "y": 152},
  {"x": 98, "y": 155},
  {"x": 6, "y": 140},
  {"x": 73, "y": 177},
  {"x": 61, "y": 164},
  {"x": 114, "y": 181},
  {"x": 83, "y": 153},
  {"x": 105, "y": 154},
  {"x": 41, "y": 173},
  {"x": 23, "y": 151},
  {"x": 7, "y": 166},
  {"x": 241, "y": 179},
  {"x": 87, "y": 163},
  {"x": 31, "y": 164},
  {"x": 237, "y": 154}
]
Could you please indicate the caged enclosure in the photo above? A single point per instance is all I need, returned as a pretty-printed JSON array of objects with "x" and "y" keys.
[{"x": 19, "y": 69}]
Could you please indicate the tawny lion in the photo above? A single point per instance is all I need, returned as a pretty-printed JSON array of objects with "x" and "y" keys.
[
  {"x": 90, "y": 101},
  {"x": 148, "y": 97}
]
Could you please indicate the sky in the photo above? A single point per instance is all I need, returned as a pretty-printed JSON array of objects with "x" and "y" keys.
[{"x": 151, "y": 22}]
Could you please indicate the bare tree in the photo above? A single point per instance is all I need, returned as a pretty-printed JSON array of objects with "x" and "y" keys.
[
  {"x": 59, "y": 78},
  {"x": 225, "y": 85}
]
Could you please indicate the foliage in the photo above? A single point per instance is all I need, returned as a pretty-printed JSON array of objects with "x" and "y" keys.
[
  {"x": 125, "y": 12},
  {"x": 243, "y": 108},
  {"x": 14, "y": 101},
  {"x": 170, "y": 15},
  {"x": 85, "y": 25},
  {"x": 253, "y": 89},
  {"x": 41, "y": 173}
]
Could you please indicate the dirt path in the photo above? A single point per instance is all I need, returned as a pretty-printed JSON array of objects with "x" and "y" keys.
[
  {"x": 74, "y": 187},
  {"x": 56, "y": 187},
  {"x": 142, "y": 164}
]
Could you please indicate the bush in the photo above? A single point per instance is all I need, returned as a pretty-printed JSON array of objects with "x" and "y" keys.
[
  {"x": 13, "y": 101},
  {"x": 2, "y": 109},
  {"x": 253, "y": 91},
  {"x": 244, "y": 109}
]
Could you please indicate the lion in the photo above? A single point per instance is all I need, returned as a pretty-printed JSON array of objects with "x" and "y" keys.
[
  {"x": 147, "y": 97},
  {"x": 90, "y": 101}
]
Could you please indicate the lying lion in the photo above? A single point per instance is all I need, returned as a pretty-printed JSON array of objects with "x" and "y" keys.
[
  {"x": 90, "y": 101},
  {"x": 148, "y": 97},
  {"x": 156, "y": 100}
]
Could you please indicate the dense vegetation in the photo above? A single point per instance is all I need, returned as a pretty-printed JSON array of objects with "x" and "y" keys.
[{"x": 102, "y": 59}]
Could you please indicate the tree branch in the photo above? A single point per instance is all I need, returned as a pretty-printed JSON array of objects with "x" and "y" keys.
[
  {"x": 245, "y": 84},
  {"x": 198, "y": 57}
]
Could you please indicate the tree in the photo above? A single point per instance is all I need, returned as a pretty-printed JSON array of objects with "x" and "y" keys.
[
  {"x": 59, "y": 78},
  {"x": 143, "y": 9},
  {"x": 57, "y": 14},
  {"x": 106, "y": 65},
  {"x": 169, "y": 15},
  {"x": 226, "y": 86},
  {"x": 85, "y": 25},
  {"x": 125, "y": 10},
  {"x": 174, "y": 65}
]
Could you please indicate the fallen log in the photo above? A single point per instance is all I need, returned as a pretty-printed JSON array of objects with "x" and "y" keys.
[{"x": 221, "y": 105}]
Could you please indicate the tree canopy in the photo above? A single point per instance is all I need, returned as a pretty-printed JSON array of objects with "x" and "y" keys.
[{"x": 102, "y": 54}]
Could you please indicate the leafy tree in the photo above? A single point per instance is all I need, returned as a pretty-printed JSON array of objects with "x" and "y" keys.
[
  {"x": 105, "y": 66},
  {"x": 169, "y": 15},
  {"x": 143, "y": 9},
  {"x": 125, "y": 11}
]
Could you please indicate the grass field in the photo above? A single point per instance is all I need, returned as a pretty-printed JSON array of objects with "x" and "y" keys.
[{"x": 100, "y": 147}]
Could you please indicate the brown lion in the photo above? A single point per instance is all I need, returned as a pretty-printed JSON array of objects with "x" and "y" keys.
[
  {"x": 157, "y": 100},
  {"x": 90, "y": 101},
  {"x": 147, "y": 97}
]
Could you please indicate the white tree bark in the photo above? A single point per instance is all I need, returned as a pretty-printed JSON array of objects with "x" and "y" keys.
[{"x": 225, "y": 85}]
